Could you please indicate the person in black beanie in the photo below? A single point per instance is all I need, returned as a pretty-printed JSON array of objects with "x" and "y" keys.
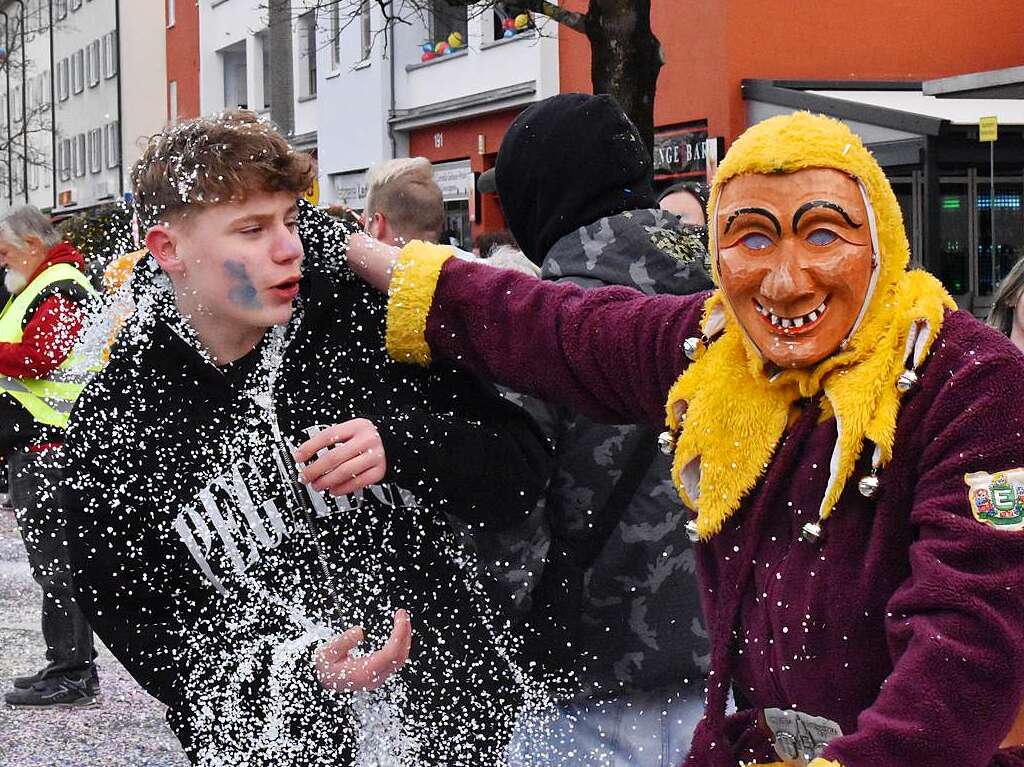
[
  {"x": 612, "y": 620},
  {"x": 566, "y": 162}
]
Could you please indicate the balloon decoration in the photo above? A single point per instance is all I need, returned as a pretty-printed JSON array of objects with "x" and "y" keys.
[{"x": 510, "y": 27}]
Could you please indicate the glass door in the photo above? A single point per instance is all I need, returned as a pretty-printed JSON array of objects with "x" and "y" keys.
[
  {"x": 908, "y": 191},
  {"x": 1002, "y": 217},
  {"x": 955, "y": 265}
]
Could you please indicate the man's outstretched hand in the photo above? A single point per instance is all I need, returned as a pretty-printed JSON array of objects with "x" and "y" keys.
[
  {"x": 337, "y": 670},
  {"x": 353, "y": 458}
]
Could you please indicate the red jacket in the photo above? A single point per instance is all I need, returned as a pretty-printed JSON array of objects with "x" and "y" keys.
[
  {"x": 51, "y": 332},
  {"x": 47, "y": 340}
]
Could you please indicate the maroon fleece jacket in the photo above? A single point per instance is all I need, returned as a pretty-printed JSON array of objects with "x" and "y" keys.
[{"x": 905, "y": 624}]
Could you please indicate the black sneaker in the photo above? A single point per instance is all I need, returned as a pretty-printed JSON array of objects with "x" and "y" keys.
[
  {"x": 25, "y": 682},
  {"x": 60, "y": 691}
]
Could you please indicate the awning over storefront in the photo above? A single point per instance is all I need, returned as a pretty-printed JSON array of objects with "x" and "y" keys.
[
  {"x": 960, "y": 111},
  {"x": 994, "y": 84}
]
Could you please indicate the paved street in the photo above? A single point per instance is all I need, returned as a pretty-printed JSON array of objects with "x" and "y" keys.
[{"x": 126, "y": 728}]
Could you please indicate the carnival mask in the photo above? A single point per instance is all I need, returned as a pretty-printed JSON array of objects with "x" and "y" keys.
[{"x": 795, "y": 261}]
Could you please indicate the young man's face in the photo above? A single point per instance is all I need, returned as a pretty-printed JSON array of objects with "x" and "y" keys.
[{"x": 239, "y": 263}]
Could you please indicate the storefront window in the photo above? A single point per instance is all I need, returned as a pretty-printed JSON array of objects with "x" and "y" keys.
[
  {"x": 908, "y": 200},
  {"x": 457, "y": 227},
  {"x": 994, "y": 263},
  {"x": 954, "y": 238}
]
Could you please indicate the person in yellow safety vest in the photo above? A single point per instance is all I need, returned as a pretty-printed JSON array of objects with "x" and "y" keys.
[{"x": 39, "y": 384}]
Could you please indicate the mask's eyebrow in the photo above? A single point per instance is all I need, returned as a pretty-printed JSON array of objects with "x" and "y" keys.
[
  {"x": 823, "y": 204},
  {"x": 758, "y": 212}
]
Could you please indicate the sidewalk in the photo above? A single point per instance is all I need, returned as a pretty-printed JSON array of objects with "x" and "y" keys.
[{"x": 126, "y": 729}]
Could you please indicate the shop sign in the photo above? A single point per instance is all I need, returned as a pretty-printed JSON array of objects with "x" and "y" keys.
[
  {"x": 455, "y": 179},
  {"x": 680, "y": 152},
  {"x": 350, "y": 189},
  {"x": 312, "y": 195},
  {"x": 988, "y": 129}
]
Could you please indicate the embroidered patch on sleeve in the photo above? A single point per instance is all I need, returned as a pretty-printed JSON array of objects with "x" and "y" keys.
[{"x": 997, "y": 499}]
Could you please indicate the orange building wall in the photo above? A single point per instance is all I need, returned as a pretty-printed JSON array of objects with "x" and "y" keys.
[
  {"x": 183, "y": 57},
  {"x": 460, "y": 140},
  {"x": 710, "y": 47}
]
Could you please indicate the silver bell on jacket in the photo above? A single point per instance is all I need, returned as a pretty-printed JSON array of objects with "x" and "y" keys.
[
  {"x": 667, "y": 442},
  {"x": 868, "y": 486},
  {"x": 906, "y": 381},
  {"x": 692, "y": 347},
  {"x": 811, "y": 532},
  {"x": 691, "y": 531}
]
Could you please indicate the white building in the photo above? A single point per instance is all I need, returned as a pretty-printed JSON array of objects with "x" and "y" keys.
[
  {"x": 26, "y": 139},
  {"x": 379, "y": 100},
  {"x": 234, "y": 63},
  {"x": 96, "y": 78}
]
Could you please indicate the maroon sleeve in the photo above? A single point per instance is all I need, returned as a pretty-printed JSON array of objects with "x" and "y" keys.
[
  {"x": 46, "y": 341},
  {"x": 611, "y": 353},
  {"x": 956, "y": 626}
]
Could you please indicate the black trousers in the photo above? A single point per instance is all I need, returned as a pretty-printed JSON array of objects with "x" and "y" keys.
[{"x": 34, "y": 479}]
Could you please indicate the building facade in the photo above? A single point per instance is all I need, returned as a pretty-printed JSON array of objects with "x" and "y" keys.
[
  {"x": 235, "y": 64},
  {"x": 182, "y": 60},
  {"x": 732, "y": 63},
  {"x": 386, "y": 96},
  {"x": 79, "y": 110},
  {"x": 26, "y": 145}
]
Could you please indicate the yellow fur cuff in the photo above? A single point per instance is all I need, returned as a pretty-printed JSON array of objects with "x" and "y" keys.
[{"x": 410, "y": 298}]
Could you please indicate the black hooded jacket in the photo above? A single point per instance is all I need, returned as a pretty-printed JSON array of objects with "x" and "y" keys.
[
  {"x": 616, "y": 609},
  {"x": 566, "y": 162},
  {"x": 212, "y": 574}
]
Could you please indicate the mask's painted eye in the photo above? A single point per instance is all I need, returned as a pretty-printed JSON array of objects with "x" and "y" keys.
[
  {"x": 822, "y": 237},
  {"x": 757, "y": 241}
]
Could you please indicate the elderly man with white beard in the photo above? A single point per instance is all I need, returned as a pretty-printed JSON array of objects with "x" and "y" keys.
[{"x": 39, "y": 324}]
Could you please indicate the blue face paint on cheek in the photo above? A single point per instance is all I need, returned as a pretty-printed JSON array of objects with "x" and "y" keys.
[{"x": 242, "y": 292}]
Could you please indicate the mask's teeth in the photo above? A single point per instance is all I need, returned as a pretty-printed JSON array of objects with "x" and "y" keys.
[
  {"x": 785, "y": 322},
  {"x": 798, "y": 322},
  {"x": 773, "y": 318},
  {"x": 812, "y": 316},
  {"x": 821, "y": 308}
]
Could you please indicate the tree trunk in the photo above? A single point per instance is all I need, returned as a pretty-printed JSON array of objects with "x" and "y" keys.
[
  {"x": 625, "y": 58},
  {"x": 281, "y": 85}
]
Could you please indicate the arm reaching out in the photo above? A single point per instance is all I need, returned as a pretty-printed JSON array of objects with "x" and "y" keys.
[
  {"x": 611, "y": 353},
  {"x": 338, "y": 670},
  {"x": 372, "y": 260}
]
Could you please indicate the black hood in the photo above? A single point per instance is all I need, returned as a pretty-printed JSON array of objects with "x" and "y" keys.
[{"x": 566, "y": 162}]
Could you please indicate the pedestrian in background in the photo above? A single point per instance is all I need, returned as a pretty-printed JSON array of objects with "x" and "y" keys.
[
  {"x": 38, "y": 328},
  {"x": 1007, "y": 313},
  {"x": 614, "y": 621},
  {"x": 688, "y": 200},
  {"x": 403, "y": 202}
]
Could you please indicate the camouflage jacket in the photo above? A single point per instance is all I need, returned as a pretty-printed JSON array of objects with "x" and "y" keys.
[{"x": 640, "y": 627}]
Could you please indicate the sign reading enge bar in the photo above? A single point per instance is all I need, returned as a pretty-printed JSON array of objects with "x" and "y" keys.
[{"x": 680, "y": 151}]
